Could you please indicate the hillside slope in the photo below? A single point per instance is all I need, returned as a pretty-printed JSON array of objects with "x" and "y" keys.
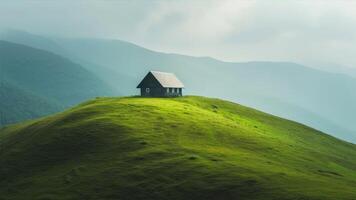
[
  {"x": 49, "y": 75},
  {"x": 250, "y": 83},
  {"x": 319, "y": 99},
  {"x": 18, "y": 105},
  {"x": 328, "y": 97},
  {"x": 182, "y": 148}
]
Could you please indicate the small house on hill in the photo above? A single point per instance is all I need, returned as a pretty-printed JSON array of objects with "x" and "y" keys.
[{"x": 160, "y": 84}]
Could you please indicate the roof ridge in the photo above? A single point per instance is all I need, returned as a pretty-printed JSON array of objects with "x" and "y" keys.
[{"x": 161, "y": 72}]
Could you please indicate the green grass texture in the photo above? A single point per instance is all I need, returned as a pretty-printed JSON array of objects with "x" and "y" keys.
[{"x": 191, "y": 147}]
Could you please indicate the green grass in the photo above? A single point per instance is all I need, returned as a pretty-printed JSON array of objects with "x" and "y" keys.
[{"x": 172, "y": 148}]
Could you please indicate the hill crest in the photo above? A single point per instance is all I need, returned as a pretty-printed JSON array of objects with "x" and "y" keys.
[{"x": 172, "y": 148}]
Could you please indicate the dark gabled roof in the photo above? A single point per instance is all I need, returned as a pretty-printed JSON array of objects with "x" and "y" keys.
[{"x": 167, "y": 80}]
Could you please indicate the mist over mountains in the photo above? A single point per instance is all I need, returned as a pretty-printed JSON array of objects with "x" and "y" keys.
[
  {"x": 68, "y": 71},
  {"x": 36, "y": 82}
]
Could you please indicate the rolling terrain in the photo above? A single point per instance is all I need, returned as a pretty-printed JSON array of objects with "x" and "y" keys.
[
  {"x": 34, "y": 83},
  {"x": 178, "y": 148},
  {"x": 320, "y": 99},
  {"x": 48, "y": 74},
  {"x": 18, "y": 105}
]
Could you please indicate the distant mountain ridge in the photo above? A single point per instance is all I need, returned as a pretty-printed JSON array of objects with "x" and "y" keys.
[
  {"x": 18, "y": 105},
  {"x": 319, "y": 99},
  {"x": 38, "y": 74}
]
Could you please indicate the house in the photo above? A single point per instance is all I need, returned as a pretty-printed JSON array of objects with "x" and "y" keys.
[{"x": 160, "y": 84}]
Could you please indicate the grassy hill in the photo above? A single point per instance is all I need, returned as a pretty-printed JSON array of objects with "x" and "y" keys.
[
  {"x": 319, "y": 99},
  {"x": 181, "y": 148},
  {"x": 327, "y": 98}
]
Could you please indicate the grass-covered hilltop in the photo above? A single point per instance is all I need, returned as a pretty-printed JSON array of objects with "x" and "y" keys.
[{"x": 172, "y": 148}]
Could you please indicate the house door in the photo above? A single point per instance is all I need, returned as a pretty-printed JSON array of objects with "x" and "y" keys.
[{"x": 148, "y": 91}]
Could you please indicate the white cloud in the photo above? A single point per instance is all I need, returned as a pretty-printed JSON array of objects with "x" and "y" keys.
[{"x": 311, "y": 32}]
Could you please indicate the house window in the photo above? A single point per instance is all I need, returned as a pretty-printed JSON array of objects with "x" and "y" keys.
[{"x": 147, "y": 90}]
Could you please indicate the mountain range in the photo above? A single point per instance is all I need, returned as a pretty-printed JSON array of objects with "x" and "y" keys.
[
  {"x": 36, "y": 82},
  {"x": 320, "y": 99}
]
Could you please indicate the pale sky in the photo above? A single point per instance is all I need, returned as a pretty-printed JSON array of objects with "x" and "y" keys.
[{"x": 319, "y": 33}]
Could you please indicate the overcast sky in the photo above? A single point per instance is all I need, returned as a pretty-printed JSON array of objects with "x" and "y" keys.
[{"x": 309, "y": 32}]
